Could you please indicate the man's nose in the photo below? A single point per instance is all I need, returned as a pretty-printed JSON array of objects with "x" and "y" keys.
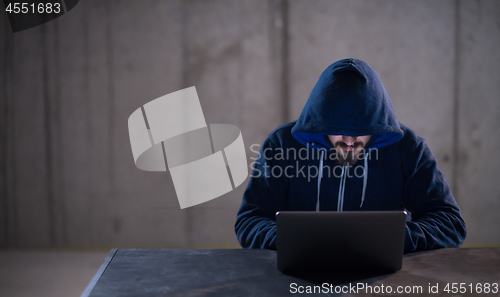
[{"x": 349, "y": 140}]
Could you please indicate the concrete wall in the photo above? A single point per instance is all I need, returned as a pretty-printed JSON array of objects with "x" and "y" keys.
[{"x": 68, "y": 87}]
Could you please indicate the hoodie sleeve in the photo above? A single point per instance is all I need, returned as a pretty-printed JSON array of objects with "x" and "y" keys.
[
  {"x": 255, "y": 225},
  {"x": 436, "y": 220}
]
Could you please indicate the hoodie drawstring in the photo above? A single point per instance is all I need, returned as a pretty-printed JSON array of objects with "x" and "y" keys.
[
  {"x": 365, "y": 180},
  {"x": 340, "y": 204},
  {"x": 320, "y": 174}
]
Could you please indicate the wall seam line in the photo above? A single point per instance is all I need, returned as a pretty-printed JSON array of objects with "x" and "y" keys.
[
  {"x": 111, "y": 96},
  {"x": 188, "y": 213},
  {"x": 48, "y": 140},
  {"x": 5, "y": 143},
  {"x": 14, "y": 230},
  {"x": 456, "y": 101},
  {"x": 58, "y": 145},
  {"x": 284, "y": 61}
]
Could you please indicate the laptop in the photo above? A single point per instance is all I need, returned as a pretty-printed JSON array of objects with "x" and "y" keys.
[{"x": 340, "y": 242}]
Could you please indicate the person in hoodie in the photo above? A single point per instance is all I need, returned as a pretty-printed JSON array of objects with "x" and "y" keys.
[{"x": 348, "y": 152}]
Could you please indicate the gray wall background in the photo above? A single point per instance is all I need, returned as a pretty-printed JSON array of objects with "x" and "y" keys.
[{"x": 67, "y": 88}]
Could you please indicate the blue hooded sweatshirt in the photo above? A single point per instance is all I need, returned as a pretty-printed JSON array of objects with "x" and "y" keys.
[{"x": 296, "y": 169}]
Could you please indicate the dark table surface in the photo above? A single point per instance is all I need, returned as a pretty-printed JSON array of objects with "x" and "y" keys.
[{"x": 239, "y": 272}]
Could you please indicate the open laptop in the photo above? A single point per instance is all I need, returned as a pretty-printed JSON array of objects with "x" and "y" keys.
[{"x": 340, "y": 242}]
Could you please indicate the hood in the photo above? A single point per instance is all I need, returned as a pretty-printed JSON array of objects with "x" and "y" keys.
[{"x": 348, "y": 99}]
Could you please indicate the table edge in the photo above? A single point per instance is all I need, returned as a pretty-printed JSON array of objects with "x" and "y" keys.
[{"x": 99, "y": 272}]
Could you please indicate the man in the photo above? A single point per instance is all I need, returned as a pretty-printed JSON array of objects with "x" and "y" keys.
[{"x": 348, "y": 152}]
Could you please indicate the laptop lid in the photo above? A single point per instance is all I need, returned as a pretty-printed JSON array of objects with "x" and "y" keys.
[{"x": 340, "y": 242}]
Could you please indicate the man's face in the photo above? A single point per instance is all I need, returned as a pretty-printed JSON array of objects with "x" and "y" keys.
[{"x": 348, "y": 147}]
